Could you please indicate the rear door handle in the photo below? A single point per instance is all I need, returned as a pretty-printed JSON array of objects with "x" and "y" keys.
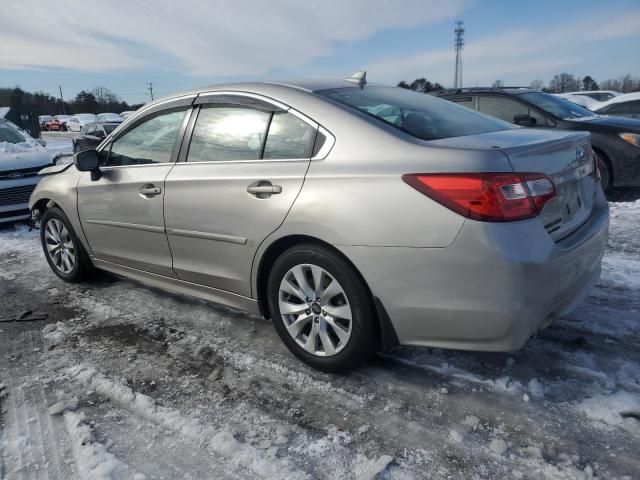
[
  {"x": 263, "y": 189},
  {"x": 150, "y": 190}
]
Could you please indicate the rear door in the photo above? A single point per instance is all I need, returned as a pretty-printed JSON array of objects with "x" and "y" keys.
[
  {"x": 122, "y": 212},
  {"x": 233, "y": 186}
]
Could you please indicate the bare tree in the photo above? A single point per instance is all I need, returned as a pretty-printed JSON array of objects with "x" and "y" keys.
[
  {"x": 104, "y": 96},
  {"x": 498, "y": 84},
  {"x": 564, "y": 82},
  {"x": 625, "y": 84},
  {"x": 537, "y": 84}
]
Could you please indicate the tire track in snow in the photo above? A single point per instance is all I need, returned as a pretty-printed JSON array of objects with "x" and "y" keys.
[{"x": 219, "y": 442}]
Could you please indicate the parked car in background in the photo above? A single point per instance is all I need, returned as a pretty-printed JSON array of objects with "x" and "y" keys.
[
  {"x": 356, "y": 217},
  {"x": 21, "y": 158},
  {"x": 63, "y": 119},
  {"x": 582, "y": 100},
  {"x": 127, "y": 113},
  {"x": 52, "y": 125},
  {"x": 79, "y": 121},
  {"x": 615, "y": 140},
  {"x": 43, "y": 119},
  {"x": 92, "y": 135},
  {"x": 597, "y": 95},
  {"x": 627, "y": 105},
  {"x": 109, "y": 118}
]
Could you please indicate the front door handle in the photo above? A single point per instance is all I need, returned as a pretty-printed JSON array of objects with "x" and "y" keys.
[
  {"x": 263, "y": 189},
  {"x": 149, "y": 190}
]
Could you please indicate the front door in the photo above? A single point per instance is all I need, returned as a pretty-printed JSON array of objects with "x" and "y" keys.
[
  {"x": 244, "y": 167},
  {"x": 122, "y": 212}
]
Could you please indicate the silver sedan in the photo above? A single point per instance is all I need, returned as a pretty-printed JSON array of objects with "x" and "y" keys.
[{"x": 357, "y": 217}]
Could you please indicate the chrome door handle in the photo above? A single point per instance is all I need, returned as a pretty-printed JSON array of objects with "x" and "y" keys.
[
  {"x": 150, "y": 190},
  {"x": 263, "y": 189}
]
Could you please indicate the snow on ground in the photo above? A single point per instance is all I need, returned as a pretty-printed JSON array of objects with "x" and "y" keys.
[
  {"x": 58, "y": 142},
  {"x": 125, "y": 381}
]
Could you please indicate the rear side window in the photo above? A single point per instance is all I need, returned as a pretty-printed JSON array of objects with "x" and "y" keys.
[
  {"x": 617, "y": 109},
  {"x": 151, "y": 141},
  {"x": 422, "y": 116},
  {"x": 289, "y": 137},
  {"x": 228, "y": 133},
  {"x": 464, "y": 101}
]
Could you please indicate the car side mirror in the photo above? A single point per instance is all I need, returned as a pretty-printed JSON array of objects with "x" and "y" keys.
[
  {"x": 88, "y": 161},
  {"x": 524, "y": 120}
]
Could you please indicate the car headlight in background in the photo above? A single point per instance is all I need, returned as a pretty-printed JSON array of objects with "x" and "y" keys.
[{"x": 632, "y": 138}]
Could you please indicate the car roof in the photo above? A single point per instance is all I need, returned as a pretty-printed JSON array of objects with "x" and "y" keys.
[
  {"x": 474, "y": 90},
  {"x": 586, "y": 92},
  {"x": 626, "y": 97}
]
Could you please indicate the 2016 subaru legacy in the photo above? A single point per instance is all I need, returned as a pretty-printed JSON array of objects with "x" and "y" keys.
[{"x": 356, "y": 217}]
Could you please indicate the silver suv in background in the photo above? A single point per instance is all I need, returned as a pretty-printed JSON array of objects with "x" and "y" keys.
[
  {"x": 356, "y": 217},
  {"x": 21, "y": 158}
]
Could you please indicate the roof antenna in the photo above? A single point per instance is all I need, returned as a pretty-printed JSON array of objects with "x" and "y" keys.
[{"x": 359, "y": 78}]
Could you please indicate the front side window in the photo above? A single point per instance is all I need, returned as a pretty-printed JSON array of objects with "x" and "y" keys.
[
  {"x": 464, "y": 101},
  {"x": 149, "y": 142},
  {"x": 228, "y": 133},
  {"x": 422, "y": 116},
  {"x": 557, "y": 106},
  {"x": 289, "y": 137}
]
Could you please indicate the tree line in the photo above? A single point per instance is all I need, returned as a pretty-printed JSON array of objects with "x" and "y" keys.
[
  {"x": 560, "y": 83},
  {"x": 98, "y": 100}
]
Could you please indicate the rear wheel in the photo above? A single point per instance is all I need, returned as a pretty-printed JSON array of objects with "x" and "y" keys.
[
  {"x": 321, "y": 309},
  {"x": 64, "y": 253}
]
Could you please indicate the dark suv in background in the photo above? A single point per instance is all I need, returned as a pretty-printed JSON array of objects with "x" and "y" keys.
[{"x": 615, "y": 140}]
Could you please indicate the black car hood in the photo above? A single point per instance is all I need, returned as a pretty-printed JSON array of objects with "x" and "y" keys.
[{"x": 613, "y": 123}]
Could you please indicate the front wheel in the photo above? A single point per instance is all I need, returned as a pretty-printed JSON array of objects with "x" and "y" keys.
[
  {"x": 321, "y": 308},
  {"x": 605, "y": 174},
  {"x": 64, "y": 253}
]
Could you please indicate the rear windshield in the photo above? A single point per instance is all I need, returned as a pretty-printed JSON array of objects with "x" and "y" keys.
[{"x": 420, "y": 115}]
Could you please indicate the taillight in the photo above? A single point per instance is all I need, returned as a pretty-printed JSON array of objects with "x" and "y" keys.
[{"x": 490, "y": 197}]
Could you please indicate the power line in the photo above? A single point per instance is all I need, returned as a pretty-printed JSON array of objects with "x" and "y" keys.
[{"x": 458, "y": 43}]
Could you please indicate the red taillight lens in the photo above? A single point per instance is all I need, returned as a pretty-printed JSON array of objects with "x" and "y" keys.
[{"x": 490, "y": 197}]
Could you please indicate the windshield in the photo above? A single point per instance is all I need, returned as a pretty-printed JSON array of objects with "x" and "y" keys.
[
  {"x": 420, "y": 115},
  {"x": 557, "y": 106},
  {"x": 10, "y": 134}
]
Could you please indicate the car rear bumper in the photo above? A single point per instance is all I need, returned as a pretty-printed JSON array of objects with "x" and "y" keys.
[{"x": 493, "y": 288}]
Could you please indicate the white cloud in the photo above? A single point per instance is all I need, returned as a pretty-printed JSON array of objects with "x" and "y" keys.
[
  {"x": 531, "y": 53},
  {"x": 221, "y": 38}
]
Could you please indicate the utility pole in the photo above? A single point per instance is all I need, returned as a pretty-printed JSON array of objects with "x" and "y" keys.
[
  {"x": 458, "y": 43},
  {"x": 151, "y": 90},
  {"x": 61, "y": 99}
]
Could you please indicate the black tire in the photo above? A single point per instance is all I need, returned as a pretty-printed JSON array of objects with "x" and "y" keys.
[
  {"x": 363, "y": 340},
  {"x": 83, "y": 268},
  {"x": 605, "y": 172}
]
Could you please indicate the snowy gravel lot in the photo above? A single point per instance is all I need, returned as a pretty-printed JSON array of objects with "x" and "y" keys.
[{"x": 123, "y": 381}]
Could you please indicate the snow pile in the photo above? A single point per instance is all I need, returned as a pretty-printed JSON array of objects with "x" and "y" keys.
[
  {"x": 218, "y": 441},
  {"x": 6, "y": 147},
  {"x": 92, "y": 458},
  {"x": 621, "y": 409}
]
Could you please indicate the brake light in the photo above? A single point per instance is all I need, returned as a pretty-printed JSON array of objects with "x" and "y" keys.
[{"x": 489, "y": 197}]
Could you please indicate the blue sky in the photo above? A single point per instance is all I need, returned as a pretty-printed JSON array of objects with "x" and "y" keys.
[{"x": 177, "y": 45}]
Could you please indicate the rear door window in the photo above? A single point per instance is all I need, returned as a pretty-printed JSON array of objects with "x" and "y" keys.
[{"x": 508, "y": 109}]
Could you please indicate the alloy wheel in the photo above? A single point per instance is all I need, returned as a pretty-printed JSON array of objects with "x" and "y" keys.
[
  {"x": 60, "y": 246},
  {"x": 315, "y": 310}
]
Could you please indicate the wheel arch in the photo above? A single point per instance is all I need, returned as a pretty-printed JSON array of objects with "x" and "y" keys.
[
  {"x": 607, "y": 159},
  {"x": 386, "y": 335}
]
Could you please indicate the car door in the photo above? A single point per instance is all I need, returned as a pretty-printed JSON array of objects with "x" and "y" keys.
[
  {"x": 122, "y": 212},
  {"x": 233, "y": 186}
]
